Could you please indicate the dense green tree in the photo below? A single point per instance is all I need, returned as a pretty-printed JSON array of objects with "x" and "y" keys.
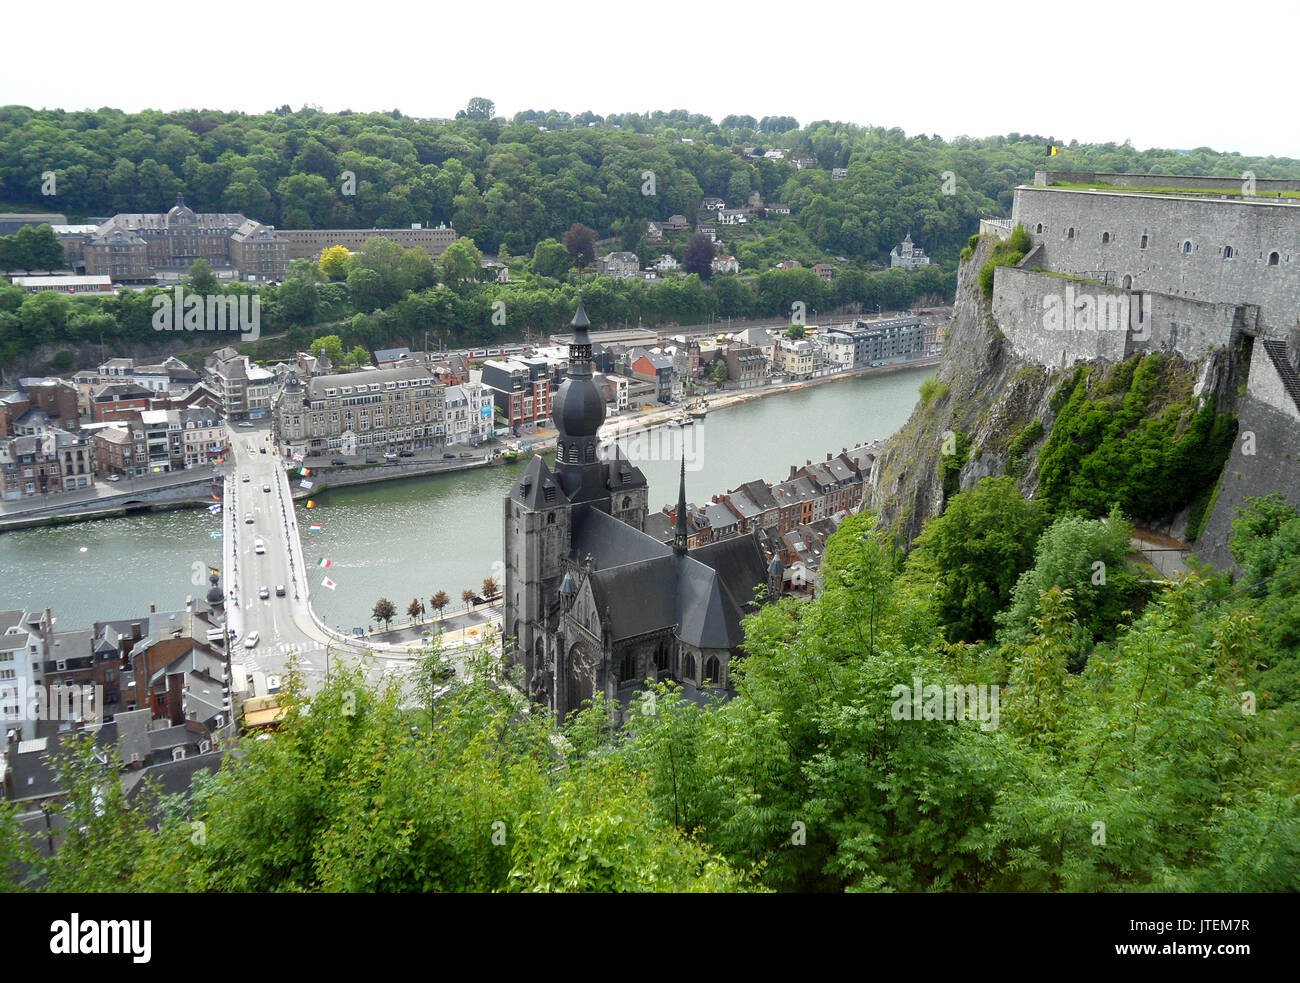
[{"x": 551, "y": 259}]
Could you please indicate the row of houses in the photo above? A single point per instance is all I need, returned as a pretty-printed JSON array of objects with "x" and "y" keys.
[{"x": 793, "y": 518}]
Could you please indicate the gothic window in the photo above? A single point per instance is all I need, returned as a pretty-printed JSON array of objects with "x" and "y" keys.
[
  {"x": 1227, "y": 252},
  {"x": 1187, "y": 247},
  {"x": 711, "y": 669},
  {"x": 1128, "y": 282},
  {"x": 1144, "y": 243},
  {"x": 550, "y": 518},
  {"x": 1105, "y": 238},
  {"x": 1273, "y": 259},
  {"x": 688, "y": 666},
  {"x": 1039, "y": 229},
  {"x": 591, "y": 453},
  {"x": 627, "y": 501},
  {"x": 1069, "y": 233},
  {"x": 627, "y": 670},
  {"x": 661, "y": 657}
]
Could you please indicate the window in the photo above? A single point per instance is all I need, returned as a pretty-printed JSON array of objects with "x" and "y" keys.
[
  {"x": 1069, "y": 233},
  {"x": 1187, "y": 247},
  {"x": 1144, "y": 243},
  {"x": 1105, "y": 238},
  {"x": 1039, "y": 228},
  {"x": 1273, "y": 259},
  {"x": 1227, "y": 252},
  {"x": 712, "y": 668}
]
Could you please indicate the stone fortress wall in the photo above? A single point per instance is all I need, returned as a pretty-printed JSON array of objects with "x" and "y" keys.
[{"x": 1231, "y": 185}]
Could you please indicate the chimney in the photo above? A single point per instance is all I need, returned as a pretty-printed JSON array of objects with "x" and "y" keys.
[
  {"x": 153, "y": 608},
  {"x": 828, "y": 455},
  {"x": 793, "y": 469},
  {"x": 135, "y": 631},
  {"x": 807, "y": 463}
]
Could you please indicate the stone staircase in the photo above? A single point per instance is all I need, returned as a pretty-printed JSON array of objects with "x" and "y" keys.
[{"x": 1282, "y": 362}]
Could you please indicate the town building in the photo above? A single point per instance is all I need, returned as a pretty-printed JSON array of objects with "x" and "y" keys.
[
  {"x": 623, "y": 265},
  {"x": 370, "y": 411},
  {"x": 310, "y": 243},
  {"x": 908, "y": 256},
  {"x": 520, "y": 389},
  {"x": 592, "y": 603},
  {"x": 469, "y": 412},
  {"x": 75, "y": 285}
]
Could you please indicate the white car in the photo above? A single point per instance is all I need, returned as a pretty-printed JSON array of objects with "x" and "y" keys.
[
  {"x": 251, "y": 640},
  {"x": 114, "y": 477},
  {"x": 259, "y": 546}
]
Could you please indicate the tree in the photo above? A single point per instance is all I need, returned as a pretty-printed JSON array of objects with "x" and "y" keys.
[
  {"x": 439, "y": 601},
  {"x": 718, "y": 371},
  {"x": 480, "y": 108},
  {"x": 490, "y": 589},
  {"x": 334, "y": 263},
  {"x": 795, "y": 331},
  {"x": 200, "y": 279},
  {"x": 459, "y": 263},
  {"x": 550, "y": 258},
  {"x": 385, "y": 611},
  {"x": 580, "y": 241},
  {"x": 468, "y": 596},
  {"x": 330, "y": 345},
  {"x": 699, "y": 256},
  {"x": 415, "y": 608},
  {"x": 360, "y": 356}
]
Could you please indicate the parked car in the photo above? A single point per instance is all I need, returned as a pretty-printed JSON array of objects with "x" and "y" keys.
[
  {"x": 262, "y": 450},
  {"x": 248, "y": 517},
  {"x": 259, "y": 546},
  {"x": 246, "y": 425},
  {"x": 279, "y": 590},
  {"x": 264, "y": 593},
  {"x": 390, "y": 457},
  {"x": 371, "y": 460},
  {"x": 338, "y": 461},
  {"x": 114, "y": 477},
  {"x": 406, "y": 454},
  {"x": 246, "y": 479},
  {"x": 451, "y": 457},
  {"x": 250, "y": 641}
]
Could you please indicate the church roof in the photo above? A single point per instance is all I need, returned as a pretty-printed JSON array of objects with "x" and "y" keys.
[
  {"x": 537, "y": 488},
  {"x": 610, "y": 542}
]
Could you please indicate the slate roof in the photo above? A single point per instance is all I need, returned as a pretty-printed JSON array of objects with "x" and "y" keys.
[
  {"x": 610, "y": 542},
  {"x": 533, "y": 488},
  {"x": 175, "y": 777}
]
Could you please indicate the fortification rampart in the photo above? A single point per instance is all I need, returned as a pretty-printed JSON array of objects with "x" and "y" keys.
[
  {"x": 1234, "y": 252},
  {"x": 1054, "y": 321},
  {"x": 1232, "y": 185}
]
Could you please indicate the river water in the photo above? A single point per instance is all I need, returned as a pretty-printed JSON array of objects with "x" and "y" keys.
[{"x": 414, "y": 537}]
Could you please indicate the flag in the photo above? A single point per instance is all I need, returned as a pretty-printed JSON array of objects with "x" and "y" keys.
[
  {"x": 305, "y": 485},
  {"x": 216, "y": 497},
  {"x": 215, "y": 534},
  {"x": 328, "y": 583},
  {"x": 1053, "y": 151},
  {"x": 322, "y": 562},
  {"x": 311, "y": 503},
  {"x": 315, "y": 527},
  {"x": 304, "y": 471},
  {"x": 214, "y": 571},
  {"x": 298, "y": 458}
]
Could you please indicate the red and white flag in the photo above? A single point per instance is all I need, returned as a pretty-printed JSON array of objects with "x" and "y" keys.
[{"x": 328, "y": 583}]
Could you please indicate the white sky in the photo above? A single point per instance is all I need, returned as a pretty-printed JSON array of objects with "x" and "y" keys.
[{"x": 1178, "y": 75}]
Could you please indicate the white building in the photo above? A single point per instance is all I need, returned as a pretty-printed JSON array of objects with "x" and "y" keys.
[
  {"x": 665, "y": 262},
  {"x": 908, "y": 256},
  {"x": 260, "y": 383},
  {"x": 22, "y": 655},
  {"x": 466, "y": 421}
]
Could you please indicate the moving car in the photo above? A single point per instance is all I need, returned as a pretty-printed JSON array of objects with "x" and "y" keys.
[
  {"x": 279, "y": 590},
  {"x": 264, "y": 592},
  {"x": 251, "y": 640},
  {"x": 390, "y": 457},
  {"x": 114, "y": 477},
  {"x": 262, "y": 450},
  {"x": 371, "y": 460},
  {"x": 406, "y": 454},
  {"x": 449, "y": 457},
  {"x": 246, "y": 425},
  {"x": 246, "y": 479},
  {"x": 266, "y": 488},
  {"x": 248, "y": 517},
  {"x": 259, "y": 546},
  {"x": 338, "y": 461}
]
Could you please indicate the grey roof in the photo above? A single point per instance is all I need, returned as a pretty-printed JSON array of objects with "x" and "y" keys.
[
  {"x": 175, "y": 777},
  {"x": 537, "y": 488},
  {"x": 610, "y": 542},
  {"x": 718, "y": 515},
  {"x": 391, "y": 354},
  {"x": 640, "y": 597}
]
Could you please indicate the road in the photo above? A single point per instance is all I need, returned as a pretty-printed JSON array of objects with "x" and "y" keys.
[{"x": 285, "y": 624}]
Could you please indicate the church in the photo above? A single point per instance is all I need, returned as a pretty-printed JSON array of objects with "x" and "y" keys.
[{"x": 592, "y": 603}]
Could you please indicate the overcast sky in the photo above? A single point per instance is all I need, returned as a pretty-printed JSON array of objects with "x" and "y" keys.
[{"x": 1169, "y": 75}]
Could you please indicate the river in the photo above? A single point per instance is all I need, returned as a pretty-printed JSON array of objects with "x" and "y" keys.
[{"x": 414, "y": 537}]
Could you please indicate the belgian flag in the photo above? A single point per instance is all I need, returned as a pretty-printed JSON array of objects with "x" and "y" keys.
[{"x": 1052, "y": 151}]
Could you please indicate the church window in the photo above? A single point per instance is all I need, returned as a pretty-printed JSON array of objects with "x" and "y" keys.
[
  {"x": 1144, "y": 243},
  {"x": 627, "y": 670},
  {"x": 1187, "y": 247},
  {"x": 711, "y": 669},
  {"x": 1069, "y": 233},
  {"x": 1105, "y": 238},
  {"x": 550, "y": 518},
  {"x": 661, "y": 657},
  {"x": 591, "y": 453},
  {"x": 1227, "y": 252},
  {"x": 627, "y": 501},
  {"x": 1039, "y": 229},
  {"x": 1273, "y": 259},
  {"x": 688, "y": 666}
]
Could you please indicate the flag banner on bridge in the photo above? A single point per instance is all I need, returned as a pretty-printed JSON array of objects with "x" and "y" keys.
[
  {"x": 322, "y": 562},
  {"x": 214, "y": 509},
  {"x": 214, "y": 570},
  {"x": 298, "y": 458},
  {"x": 305, "y": 485},
  {"x": 315, "y": 527},
  {"x": 328, "y": 583},
  {"x": 311, "y": 503},
  {"x": 215, "y": 534},
  {"x": 304, "y": 471},
  {"x": 216, "y": 497}
]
